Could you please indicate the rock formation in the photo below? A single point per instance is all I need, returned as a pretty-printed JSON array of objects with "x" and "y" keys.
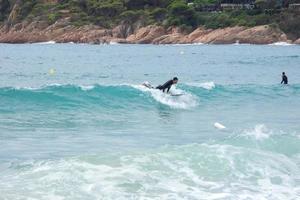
[{"x": 62, "y": 31}]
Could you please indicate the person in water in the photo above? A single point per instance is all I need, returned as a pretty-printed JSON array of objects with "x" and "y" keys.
[
  {"x": 168, "y": 85},
  {"x": 284, "y": 78}
]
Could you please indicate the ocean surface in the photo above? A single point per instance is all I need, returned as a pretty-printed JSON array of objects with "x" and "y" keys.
[{"x": 76, "y": 124}]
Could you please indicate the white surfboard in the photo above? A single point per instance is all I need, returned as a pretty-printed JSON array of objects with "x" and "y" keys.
[
  {"x": 147, "y": 85},
  {"x": 219, "y": 126},
  {"x": 176, "y": 95}
]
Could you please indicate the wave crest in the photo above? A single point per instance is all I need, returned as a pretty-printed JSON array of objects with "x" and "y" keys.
[
  {"x": 206, "y": 85},
  {"x": 103, "y": 95}
]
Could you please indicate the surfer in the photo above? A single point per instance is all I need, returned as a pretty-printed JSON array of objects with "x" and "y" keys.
[
  {"x": 284, "y": 78},
  {"x": 168, "y": 84}
]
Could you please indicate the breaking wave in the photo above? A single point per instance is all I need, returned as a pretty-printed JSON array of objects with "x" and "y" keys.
[
  {"x": 122, "y": 96},
  {"x": 194, "y": 171}
]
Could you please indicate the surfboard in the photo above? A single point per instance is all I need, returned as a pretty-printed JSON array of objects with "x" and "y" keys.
[
  {"x": 147, "y": 85},
  {"x": 176, "y": 95}
]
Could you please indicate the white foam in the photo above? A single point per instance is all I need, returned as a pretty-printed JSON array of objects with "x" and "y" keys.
[
  {"x": 237, "y": 42},
  {"x": 87, "y": 87},
  {"x": 188, "y": 44},
  {"x": 25, "y": 88},
  {"x": 43, "y": 43},
  {"x": 260, "y": 132},
  {"x": 196, "y": 171},
  {"x": 52, "y": 85},
  {"x": 281, "y": 44},
  {"x": 206, "y": 85},
  {"x": 113, "y": 43},
  {"x": 185, "y": 101}
]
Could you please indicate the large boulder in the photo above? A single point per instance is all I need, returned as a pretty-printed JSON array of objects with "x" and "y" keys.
[
  {"x": 122, "y": 31},
  {"x": 196, "y": 35},
  {"x": 297, "y": 41},
  {"x": 146, "y": 35},
  {"x": 229, "y": 35},
  {"x": 175, "y": 38},
  {"x": 219, "y": 36},
  {"x": 261, "y": 35}
]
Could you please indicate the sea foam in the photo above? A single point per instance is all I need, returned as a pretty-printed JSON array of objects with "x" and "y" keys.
[
  {"x": 195, "y": 171},
  {"x": 260, "y": 132},
  {"x": 185, "y": 101},
  {"x": 281, "y": 44},
  {"x": 206, "y": 85},
  {"x": 45, "y": 43}
]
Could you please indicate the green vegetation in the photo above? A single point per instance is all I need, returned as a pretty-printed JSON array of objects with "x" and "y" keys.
[
  {"x": 183, "y": 13},
  {"x": 233, "y": 18}
]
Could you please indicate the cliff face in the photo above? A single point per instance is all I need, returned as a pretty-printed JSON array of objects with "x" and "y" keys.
[
  {"x": 297, "y": 41},
  {"x": 61, "y": 31}
]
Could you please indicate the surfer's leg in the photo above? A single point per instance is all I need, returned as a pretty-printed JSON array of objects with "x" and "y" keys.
[{"x": 159, "y": 87}]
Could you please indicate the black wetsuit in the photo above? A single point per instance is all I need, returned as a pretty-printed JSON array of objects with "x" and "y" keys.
[
  {"x": 165, "y": 86},
  {"x": 284, "y": 79}
]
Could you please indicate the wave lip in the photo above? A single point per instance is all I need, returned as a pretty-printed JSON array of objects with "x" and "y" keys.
[
  {"x": 206, "y": 85},
  {"x": 138, "y": 95},
  {"x": 101, "y": 95}
]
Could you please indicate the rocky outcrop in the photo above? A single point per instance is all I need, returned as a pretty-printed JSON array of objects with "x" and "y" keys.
[
  {"x": 62, "y": 31},
  {"x": 255, "y": 35},
  {"x": 261, "y": 35},
  {"x": 196, "y": 36},
  {"x": 146, "y": 35},
  {"x": 297, "y": 41},
  {"x": 174, "y": 35}
]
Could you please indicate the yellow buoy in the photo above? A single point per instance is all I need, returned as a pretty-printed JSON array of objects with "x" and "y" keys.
[{"x": 52, "y": 71}]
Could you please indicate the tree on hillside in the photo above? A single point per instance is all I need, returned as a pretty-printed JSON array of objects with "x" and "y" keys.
[
  {"x": 181, "y": 14},
  {"x": 140, "y": 4},
  {"x": 105, "y": 8},
  {"x": 4, "y": 8}
]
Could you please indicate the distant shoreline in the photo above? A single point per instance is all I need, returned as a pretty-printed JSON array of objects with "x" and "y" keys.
[
  {"x": 181, "y": 44},
  {"x": 36, "y": 32}
]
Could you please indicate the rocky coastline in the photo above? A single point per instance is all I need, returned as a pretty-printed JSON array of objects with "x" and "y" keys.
[{"x": 62, "y": 32}]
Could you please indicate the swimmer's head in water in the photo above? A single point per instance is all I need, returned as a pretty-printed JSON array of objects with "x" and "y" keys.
[
  {"x": 283, "y": 73},
  {"x": 175, "y": 80}
]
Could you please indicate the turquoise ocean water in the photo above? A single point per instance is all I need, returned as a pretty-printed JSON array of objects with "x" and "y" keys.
[{"x": 75, "y": 122}]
